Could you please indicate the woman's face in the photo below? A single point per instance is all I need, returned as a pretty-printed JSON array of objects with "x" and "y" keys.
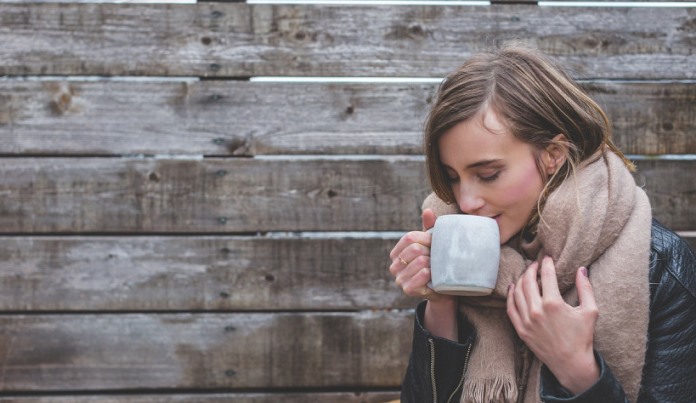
[{"x": 492, "y": 172}]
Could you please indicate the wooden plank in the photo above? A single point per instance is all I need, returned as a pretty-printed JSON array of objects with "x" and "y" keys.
[
  {"x": 242, "y": 40},
  {"x": 241, "y": 118},
  {"x": 204, "y": 351},
  {"x": 671, "y": 187},
  {"x": 210, "y": 118},
  {"x": 197, "y": 273},
  {"x": 109, "y": 195},
  {"x": 337, "y": 397},
  {"x": 133, "y": 195},
  {"x": 649, "y": 117},
  {"x": 691, "y": 241},
  {"x": 204, "y": 1},
  {"x": 214, "y": 274},
  {"x": 561, "y": 2}
]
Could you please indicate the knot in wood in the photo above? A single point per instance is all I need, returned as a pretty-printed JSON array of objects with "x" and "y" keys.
[{"x": 62, "y": 101}]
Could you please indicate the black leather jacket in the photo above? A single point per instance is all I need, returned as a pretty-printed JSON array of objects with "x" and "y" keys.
[{"x": 437, "y": 367}]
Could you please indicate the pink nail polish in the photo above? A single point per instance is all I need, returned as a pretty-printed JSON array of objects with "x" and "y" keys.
[{"x": 584, "y": 271}]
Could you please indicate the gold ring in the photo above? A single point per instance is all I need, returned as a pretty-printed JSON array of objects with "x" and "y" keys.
[{"x": 403, "y": 261}]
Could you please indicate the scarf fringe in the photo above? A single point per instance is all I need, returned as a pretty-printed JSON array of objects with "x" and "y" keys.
[{"x": 500, "y": 389}]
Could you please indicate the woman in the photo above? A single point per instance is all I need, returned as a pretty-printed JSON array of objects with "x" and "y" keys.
[{"x": 595, "y": 300}]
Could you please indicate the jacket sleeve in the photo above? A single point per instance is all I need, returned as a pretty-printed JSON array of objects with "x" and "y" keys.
[
  {"x": 436, "y": 366},
  {"x": 607, "y": 389},
  {"x": 671, "y": 354},
  {"x": 670, "y": 359}
]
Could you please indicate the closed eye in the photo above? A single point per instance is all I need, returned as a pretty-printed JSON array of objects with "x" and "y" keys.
[
  {"x": 489, "y": 178},
  {"x": 451, "y": 175}
]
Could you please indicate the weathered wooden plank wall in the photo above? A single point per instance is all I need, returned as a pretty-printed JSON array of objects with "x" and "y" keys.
[
  {"x": 170, "y": 231},
  {"x": 107, "y": 195},
  {"x": 220, "y": 118},
  {"x": 240, "y": 40}
]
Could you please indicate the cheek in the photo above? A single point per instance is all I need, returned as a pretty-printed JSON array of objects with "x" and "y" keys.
[{"x": 525, "y": 188}]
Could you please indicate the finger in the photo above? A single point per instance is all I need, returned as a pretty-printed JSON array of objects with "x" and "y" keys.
[
  {"x": 397, "y": 266},
  {"x": 585, "y": 291},
  {"x": 531, "y": 286},
  {"x": 417, "y": 285},
  {"x": 428, "y": 219},
  {"x": 521, "y": 300},
  {"x": 549, "y": 281},
  {"x": 512, "y": 311},
  {"x": 412, "y": 251},
  {"x": 419, "y": 237},
  {"x": 413, "y": 267}
]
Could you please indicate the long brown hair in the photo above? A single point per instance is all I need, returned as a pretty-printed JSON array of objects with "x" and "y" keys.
[{"x": 534, "y": 97}]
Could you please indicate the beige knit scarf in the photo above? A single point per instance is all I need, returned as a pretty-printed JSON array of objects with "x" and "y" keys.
[{"x": 597, "y": 218}]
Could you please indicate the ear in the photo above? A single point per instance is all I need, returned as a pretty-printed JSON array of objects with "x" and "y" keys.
[{"x": 555, "y": 154}]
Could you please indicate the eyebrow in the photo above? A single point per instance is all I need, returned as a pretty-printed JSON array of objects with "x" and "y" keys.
[
  {"x": 482, "y": 163},
  {"x": 477, "y": 164}
]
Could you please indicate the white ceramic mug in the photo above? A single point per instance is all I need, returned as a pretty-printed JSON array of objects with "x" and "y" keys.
[{"x": 464, "y": 255}]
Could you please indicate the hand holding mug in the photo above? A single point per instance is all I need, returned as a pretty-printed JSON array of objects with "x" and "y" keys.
[{"x": 411, "y": 261}]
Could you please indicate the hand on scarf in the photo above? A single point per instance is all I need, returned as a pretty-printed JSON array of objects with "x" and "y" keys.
[{"x": 560, "y": 335}]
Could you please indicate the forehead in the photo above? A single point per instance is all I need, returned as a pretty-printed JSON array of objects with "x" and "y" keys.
[{"x": 483, "y": 137}]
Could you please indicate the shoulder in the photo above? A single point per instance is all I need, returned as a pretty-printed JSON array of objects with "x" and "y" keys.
[
  {"x": 670, "y": 359},
  {"x": 672, "y": 263}
]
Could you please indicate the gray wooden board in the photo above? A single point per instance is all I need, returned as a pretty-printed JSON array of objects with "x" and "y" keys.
[
  {"x": 209, "y": 195},
  {"x": 206, "y": 1},
  {"x": 691, "y": 241},
  {"x": 197, "y": 273},
  {"x": 134, "y": 195},
  {"x": 220, "y": 118},
  {"x": 289, "y": 397},
  {"x": 242, "y": 40},
  {"x": 204, "y": 351}
]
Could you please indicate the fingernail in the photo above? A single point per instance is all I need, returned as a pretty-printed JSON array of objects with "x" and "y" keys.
[
  {"x": 509, "y": 287},
  {"x": 584, "y": 271}
]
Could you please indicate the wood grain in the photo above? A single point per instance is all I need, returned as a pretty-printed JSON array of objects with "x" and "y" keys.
[
  {"x": 197, "y": 273},
  {"x": 204, "y": 274},
  {"x": 133, "y": 195},
  {"x": 691, "y": 241},
  {"x": 204, "y": 351},
  {"x": 290, "y": 397},
  {"x": 241, "y": 40},
  {"x": 210, "y": 118},
  {"x": 223, "y": 118}
]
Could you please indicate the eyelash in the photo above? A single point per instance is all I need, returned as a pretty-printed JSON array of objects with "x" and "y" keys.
[{"x": 490, "y": 178}]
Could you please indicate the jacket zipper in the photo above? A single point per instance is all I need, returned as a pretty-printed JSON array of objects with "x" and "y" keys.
[
  {"x": 432, "y": 371},
  {"x": 432, "y": 368},
  {"x": 461, "y": 380}
]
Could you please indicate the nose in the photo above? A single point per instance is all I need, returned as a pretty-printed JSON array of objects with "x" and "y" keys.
[{"x": 469, "y": 200}]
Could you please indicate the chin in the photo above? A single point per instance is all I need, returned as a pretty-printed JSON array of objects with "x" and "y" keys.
[{"x": 505, "y": 236}]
